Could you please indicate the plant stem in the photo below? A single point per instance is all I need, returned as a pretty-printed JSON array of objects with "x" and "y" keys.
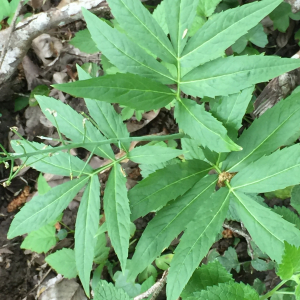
[{"x": 269, "y": 294}]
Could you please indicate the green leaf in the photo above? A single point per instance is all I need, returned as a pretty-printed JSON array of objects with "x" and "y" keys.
[
  {"x": 180, "y": 15},
  {"x": 168, "y": 223},
  {"x": 153, "y": 154},
  {"x": 117, "y": 213},
  {"x": 59, "y": 163},
  {"x": 106, "y": 291},
  {"x": 146, "y": 170},
  {"x": 207, "y": 7},
  {"x": 203, "y": 127},
  {"x": 267, "y": 229},
  {"x": 130, "y": 90},
  {"x": 280, "y": 16},
  {"x": 42, "y": 209},
  {"x": 295, "y": 198},
  {"x": 197, "y": 239},
  {"x": 275, "y": 126},
  {"x": 220, "y": 32},
  {"x": 163, "y": 262},
  {"x": 262, "y": 265},
  {"x": 43, "y": 186},
  {"x": 224, "y": 76},
  {"x": 142, "y": 27},
  {"x": 83, "y": 41},
  {"x": 42, "y": 90},
  {"x": 5, "y": 9},
  {"x": 281, "y": 194},
  {"x": 208, "y": 275},
  {"x": 288, "y": 215},
  {"x": 225, "y": 291},
  {"x": 159, "y": 15},
  {"x": 165, "y": 185},
  {"x": 101, "y": 252},
  {"x": 87, "y": 223},
  {"x": 20, "y": 102},
  {"x": 63, "y": 262},
  {"x": 290, "y": 263},
  {"x": 123, "y": 53},
  {"x": 192, "y": 149},
  {"x": 230, "y": 110},
  {"x": 129, "y": 286},
  {"x": 259, "y": 286},
  {"x": 73, "y": 125},
  {"x": 230, "y": 260},
  {"x": 104, "y": 114},
  {"x": 269, "y": 173}
]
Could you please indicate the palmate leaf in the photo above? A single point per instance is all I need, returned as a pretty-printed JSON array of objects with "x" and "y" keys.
[
  {"x": 159, "y": 15},
  {"x": 107, "y": 291},
  {"x": 126, "y": 89},
  {"x": 197, "y": 240},
  {"x": 269, "y": 173},
  {"x": 180, "y": 15},
  {"x": 87, "y": 224},
  {"x": 72, "y": 125},
  {"x": 104, "y": 114},
  {"x": 165, "y": 185},
  {"x": 168, "y": 223},
  {"x": 266, "y": 134},
  {"x": 153, "y": 154},
  {"x": 117, "y": 213},
  {"x": 42, "y": 209},
  {"x": 268, "y": 230},
  {"x": 225, "y": 291},
  {"x": 222, "y": 31},
  {"x": 123, "y": 52},
  {"x": 142, "y": 27},
  {"x": 58, "y": 163},
  {"x": 203, "y": 127},
  {"x": 230, "y": 75},
  {"x": 230, "y": 110}
]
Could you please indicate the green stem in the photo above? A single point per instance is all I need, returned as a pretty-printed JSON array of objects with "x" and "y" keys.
[{"x": 269, "y": 294}]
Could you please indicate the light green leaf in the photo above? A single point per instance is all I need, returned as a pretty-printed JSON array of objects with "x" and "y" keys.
[
  {"x": 225, "y": 291},
  {"x": 275, "y": 126},
  {"x": 42, "y": 209},
  {"x": 287, "y": 215},
  {"x": 63, "y": 262},
  {"x": 5, "y": 9},
  {"x": 104, "y": 114},
  {"x": 129, "y": 286},
  {"x": 130, "y": 90},
  {"x": 146, "y": 170},
  {"x": 232, "y": 74},
  {"x": 159, "y": 15},
  {"x": 197, "y": 240},
  {"x": 165, "y": 185},
  {"x": 83, "y": 41},
  {"x": 268, "y": 230},
  {"x": 73, "y": 125},
  {"x": 58, "y": 163},
  {"x": 192, "y": 149},
  {"x": 207, "y": 275},
  {"x": 143, "y": 28},
  {"x": 230, "y": 110},
  {"x": 207, "y": 7},
  {"x": 117, "y": 213},
  {"x": 230, "y": 260},
  {"x": 180, "y": 15},
  {"x": 153, "y": 154},
  {"x": 123, "y": 53},
  {"x": 220, "y": 32},
  {"x": 290, "y": 263},
  {"x": 168, "y": 223},
  {"x": 203, "y": 127},
  {"x": 87, "y": 223},
  {"x": 269, "y": 173},
  {"x": 295, "y": 198},
  {"x": 42, "y": 185},
  {"x": 106, "y": 291}
]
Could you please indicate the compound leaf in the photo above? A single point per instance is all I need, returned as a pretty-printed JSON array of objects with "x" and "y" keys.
[
  {"x": 203, "y": 127},
  {"x": 73, "y": 125},
  {"x": 165, "y": 185},
  {"x": 197, "y": 240},
  {"x": 126, "y": 89},
  {"x": 268, "y": 230},
  {"x": 207, "y": 7},
  {"x": 269, "y": 173},
  {"x": 168, "y": 223},
  {"x": 220, "y": 32},
  {"x": 87, "y": 224},
  {"x": 143, "y": 28},
  {"x": 57, "y": 163},
  {"x": 192, "y": 149},
  {"x": 107, "y": 291},
  {"x": 123, "y": 52},
  {"x": 266, "y": 134},
  {"x": 159, "y": 15},
  {"x": 63, "y": 262},
  {"x": 42, "y": 209},
  {"x": 232, "y": 74},
  {"x": 117, "y": 213}
]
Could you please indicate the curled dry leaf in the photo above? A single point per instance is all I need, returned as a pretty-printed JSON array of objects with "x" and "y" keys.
[
  {"x": 19, "y": 200},
  {"x": 227, "y": 234}
]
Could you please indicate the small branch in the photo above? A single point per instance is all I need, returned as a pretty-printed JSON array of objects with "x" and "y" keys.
[{"x": 155, "y": 289}]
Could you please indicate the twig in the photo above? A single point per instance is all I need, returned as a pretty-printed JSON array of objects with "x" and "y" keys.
[
  {"x": 155, "y": 289},
  {"x": 11, "y": 29},
  {"x": 38, "y": 284}
]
